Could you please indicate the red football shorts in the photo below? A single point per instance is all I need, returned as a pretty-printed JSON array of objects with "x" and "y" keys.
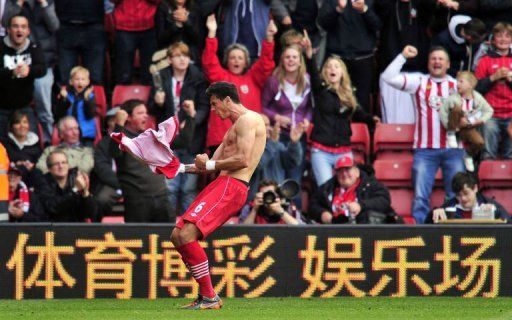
[{"x": 218, "y": 202}]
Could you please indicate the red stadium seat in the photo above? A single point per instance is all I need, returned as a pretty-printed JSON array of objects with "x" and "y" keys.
[
  {"x": 233, "y": 220},
  {"x": 99, "y": 135},
  {"x": 394, "y": 173},
  {"x": 503, "y": 196},
  {"x": 122, "y": 93},
  {"x": 437, "y": 198},
  {"x": 112, "y": 219},
  {"x": 136, "y": 59},
  {"x": 40, "y": 135},
  {"x": 493, "y": 173},
  {"x": 55, "y": 136},
  {"x": 401, "y": 201},
  {"x": 393, "y": 141},
  {"x": 360, "y": 141},
  {"x": 409, "y": 220},
  {"x": 101, "y": 101}
]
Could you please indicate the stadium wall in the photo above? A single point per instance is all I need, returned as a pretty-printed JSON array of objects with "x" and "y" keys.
[{"x": 47, "y": 261}]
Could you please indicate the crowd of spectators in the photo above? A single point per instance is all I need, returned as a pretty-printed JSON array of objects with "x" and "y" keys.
[{"x": 310, "y": 67}]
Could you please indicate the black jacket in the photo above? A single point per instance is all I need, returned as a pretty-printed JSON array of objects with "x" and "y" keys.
[
  {"x": 371, "y": 196},
  {"x": 168, "y": 32},
  {"x": 103, "y": 173},
  {"x": 43, "y": 25},
  {"x": 350, "y": 34},
  {"x": 461, "y": 55},
  {"x": 193, "y": 88},
  {"x": 494, "y": 11},
  {"x": 80, "y": 13},
  {"x": 403, "y": 23},
  {"x": 17, "y": 93},
  {"x": 28, "y": 152},
  {"x": 500, "y": 213},
  {"x": 331, "y": 120},
  {"x": 35, "y": 212},
  {"x": 64, "y": 205}
]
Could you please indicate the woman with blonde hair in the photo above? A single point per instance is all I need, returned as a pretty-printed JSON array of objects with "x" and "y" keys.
[
  {"x": 335, "y": 108},
  {"x": 286, "y": 99}
]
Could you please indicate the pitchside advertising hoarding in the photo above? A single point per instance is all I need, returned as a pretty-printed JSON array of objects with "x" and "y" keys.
[{"x": 138, "y": 261}]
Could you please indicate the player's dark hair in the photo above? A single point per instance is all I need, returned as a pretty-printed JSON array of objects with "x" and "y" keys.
[
  {"x": 462, "y": 179},
  {"x": 131, "y": 104},
  {"x": 222, "y": 89}
]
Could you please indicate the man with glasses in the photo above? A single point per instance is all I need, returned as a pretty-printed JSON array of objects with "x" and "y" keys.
[{"x": 64, "y": 192}]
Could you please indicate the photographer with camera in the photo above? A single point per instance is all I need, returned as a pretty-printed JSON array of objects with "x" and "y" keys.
[
  {"x": 268, "y": 207},
  {"x": 277, "y": 156},
  {"x": 353, "y": 195}
]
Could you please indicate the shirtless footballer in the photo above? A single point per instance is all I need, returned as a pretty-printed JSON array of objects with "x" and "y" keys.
[{"x": 236, "y": 159}]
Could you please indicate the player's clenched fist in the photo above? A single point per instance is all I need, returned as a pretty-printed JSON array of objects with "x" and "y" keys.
[
  {"x": 410, "y": 52},
  {"x": 200, "y": 161}
]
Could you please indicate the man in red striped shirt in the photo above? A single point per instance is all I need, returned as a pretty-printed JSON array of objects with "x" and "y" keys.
[
  {"x": 494, "y": 73},
  {"x": 431, "y": 150}
]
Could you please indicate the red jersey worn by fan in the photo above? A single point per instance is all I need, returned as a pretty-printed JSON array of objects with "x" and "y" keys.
[{"x": 249, "y": 84}]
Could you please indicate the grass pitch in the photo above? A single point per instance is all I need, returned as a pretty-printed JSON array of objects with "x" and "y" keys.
[{"x": 263, "y": 308}]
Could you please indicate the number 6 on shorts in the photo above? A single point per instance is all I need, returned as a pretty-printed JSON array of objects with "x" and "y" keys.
[{"x": 199, "y": 207}]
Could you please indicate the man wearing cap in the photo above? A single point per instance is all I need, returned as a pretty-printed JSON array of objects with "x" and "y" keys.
[{"x": 353, "y": 195}]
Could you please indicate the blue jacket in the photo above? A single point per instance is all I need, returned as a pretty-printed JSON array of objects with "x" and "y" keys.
[
  {"x": 259, "y": 18},
  {"x": 84, "y": 111}
]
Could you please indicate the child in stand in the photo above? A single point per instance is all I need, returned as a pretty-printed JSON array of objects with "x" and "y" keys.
[
  {"x": 462, "y": 113},
  {"x": 78, "y": 100}
]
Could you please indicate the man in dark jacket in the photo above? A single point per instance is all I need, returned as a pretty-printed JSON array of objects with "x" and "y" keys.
[
  {"x": 353, "y": 195},
  {"x": 462, "y": 40},
  {"x": 44, "y": 22},
  {"x": 81, "y": 35},
  {"x": 106, "y": 187},
  {"x": 145, "y": 193},
  {"x": 352, "y": 27},
  {"x": 182, "y": 87},
  {"x": 494, "y": 11},
  {"x": 467, "y": 199},
  {"x": 65, "y": 192},
  {"x": 21, "y": 62}
]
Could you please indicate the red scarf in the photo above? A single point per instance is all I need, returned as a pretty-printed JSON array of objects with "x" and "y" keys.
[{"x": 342, "y": 197}]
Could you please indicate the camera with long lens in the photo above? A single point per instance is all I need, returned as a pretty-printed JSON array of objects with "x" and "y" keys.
[{"x": 286, "y": 191}]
